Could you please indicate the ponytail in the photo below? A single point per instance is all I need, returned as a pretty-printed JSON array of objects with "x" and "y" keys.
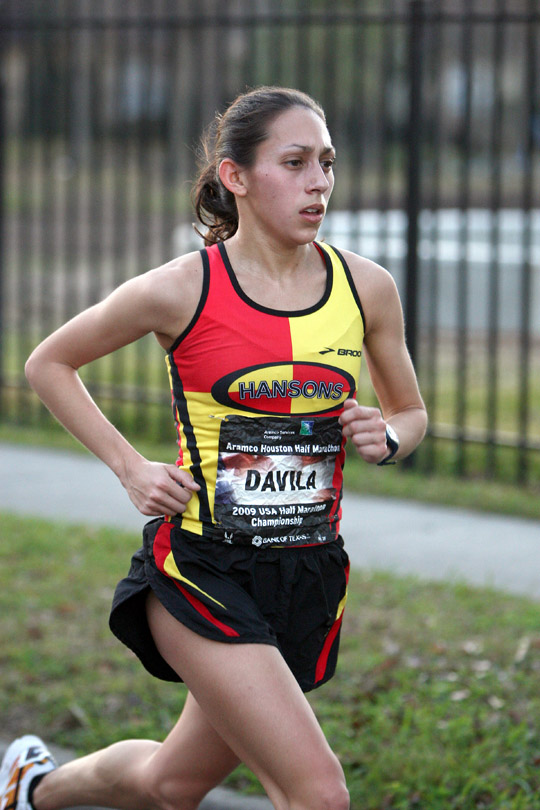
[{"x": 214, "y": 205}]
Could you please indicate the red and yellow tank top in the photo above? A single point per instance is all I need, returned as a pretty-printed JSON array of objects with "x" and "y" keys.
[{"x": 256, "y": 398}]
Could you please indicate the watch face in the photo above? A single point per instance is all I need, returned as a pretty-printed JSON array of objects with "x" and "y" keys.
[
  {"x": 392, "y": 442},
  {"x": 391, "y": 435}
]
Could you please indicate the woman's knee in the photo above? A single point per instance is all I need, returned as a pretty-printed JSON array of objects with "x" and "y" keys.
[
  {"x": 326, "y": 789},
  {"x": 334, "y": 796},
  {"x": 328, "y": 795},
  {"x": 169, "y": 792},
  {"x": 330, "y": 788}
]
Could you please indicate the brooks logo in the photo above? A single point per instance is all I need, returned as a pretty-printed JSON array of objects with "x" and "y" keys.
[{"x": 343, "y": 352}]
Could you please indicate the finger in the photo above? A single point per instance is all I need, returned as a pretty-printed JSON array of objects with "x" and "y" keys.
[
  {"x": 359, "y": 412},
  {"x": 373, "y": 424},
  {"x": 366, "y": 431},
  {"x": 371, "y": 449},
  {"x": 166, "y": 490},
  {"x": 182, "y": 477},
  {"x": 174, "y": 506},
  {"x": 165, "y": 502},
  {"x": 367, "y": 441},
  {"x": 372, "y": 454}
]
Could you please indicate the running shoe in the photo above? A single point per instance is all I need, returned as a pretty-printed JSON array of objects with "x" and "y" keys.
[{"x": 25, "y": 759}]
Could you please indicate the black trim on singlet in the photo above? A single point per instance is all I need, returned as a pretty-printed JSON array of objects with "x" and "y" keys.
[
  {"x": 200, "y": 305},
  {"x": 352, "y": 285},
  {"x": 278, "y": 312},
  {"x": 179, "y": 401}
]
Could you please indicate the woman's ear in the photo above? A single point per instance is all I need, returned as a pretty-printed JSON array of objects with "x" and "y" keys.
[{"x": 232, "y": 177}]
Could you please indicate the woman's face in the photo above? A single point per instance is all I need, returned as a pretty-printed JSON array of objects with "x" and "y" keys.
[{"x": 290, "y": 183}]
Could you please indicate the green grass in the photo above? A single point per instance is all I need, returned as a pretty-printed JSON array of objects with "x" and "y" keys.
[{"x": 435, "y": 704}]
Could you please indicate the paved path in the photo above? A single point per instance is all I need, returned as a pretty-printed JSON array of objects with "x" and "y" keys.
[{"x": 380, "y": 533}]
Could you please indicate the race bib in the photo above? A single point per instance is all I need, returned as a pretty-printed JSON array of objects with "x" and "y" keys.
[{"x": 276, "y": 479}]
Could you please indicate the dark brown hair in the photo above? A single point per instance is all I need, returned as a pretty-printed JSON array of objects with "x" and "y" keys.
[{"x": 236, "y": 135}]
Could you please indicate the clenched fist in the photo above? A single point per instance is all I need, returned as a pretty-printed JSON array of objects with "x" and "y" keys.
[
  {"x": 159, "y": 489},
  {"x": 366, "y": 428}
]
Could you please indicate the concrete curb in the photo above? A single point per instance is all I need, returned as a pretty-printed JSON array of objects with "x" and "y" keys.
[{"x": 218, "y": 799}]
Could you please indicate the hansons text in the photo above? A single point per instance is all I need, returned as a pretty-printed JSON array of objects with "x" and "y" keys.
[{"x": 290, "y": 388}]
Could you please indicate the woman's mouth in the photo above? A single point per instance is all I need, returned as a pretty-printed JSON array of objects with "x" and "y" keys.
[{"x": 313, "y": 213}]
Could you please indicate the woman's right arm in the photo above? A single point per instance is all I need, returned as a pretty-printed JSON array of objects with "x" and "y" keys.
[{"x": 161, "y": 301}]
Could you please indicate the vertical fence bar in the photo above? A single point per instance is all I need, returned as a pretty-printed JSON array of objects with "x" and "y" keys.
[
  {"x": 329, "y": 60},
  {"x": 101, "y": 205},
  {"x": 3, "y": 138},
  {"x": 254, "y": 60},
  {"x": 464, "y": 202},
  {"x": 143, "y": 52},
  {"x": 357, "y": 129},
  {"x": 68, "y": 210},
  {"x": 414, "y": 169},
  {"x": 5, "y": 240},
  {"x": 275, "y": 57},
  {"x": 495, "y": 204},
  {"x": 383, "y": 198},
  {"x": 14, "y": 154},
  {"x": 162, "y": 423},
  {"x": 118, "y": 167},
  {"x": 303, "y": 60},
  {"x": 80, "y": 148},
  {"x": 532, "y": 129},
  {"x": 45, "y": 272},
  {"x": 36, "y": 237},
  {"x": 434, "y": 164},
  {"x": 139, "y": 68}
]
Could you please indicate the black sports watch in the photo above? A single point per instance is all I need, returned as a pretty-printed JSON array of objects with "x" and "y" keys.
[{"x": 392, "y": 442}]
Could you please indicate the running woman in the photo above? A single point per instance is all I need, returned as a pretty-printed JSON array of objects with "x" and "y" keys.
[{"x": 240, "y": 586}]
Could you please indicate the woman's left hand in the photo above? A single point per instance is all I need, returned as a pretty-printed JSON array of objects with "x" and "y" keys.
[{"x": 366, "y": 428}]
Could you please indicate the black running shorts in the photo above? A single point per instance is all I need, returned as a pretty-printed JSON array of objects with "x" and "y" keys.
[{"x": 292, "y": 598}]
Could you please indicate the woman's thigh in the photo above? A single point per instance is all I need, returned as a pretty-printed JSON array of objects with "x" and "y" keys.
[{"x": 250, "y": 697}]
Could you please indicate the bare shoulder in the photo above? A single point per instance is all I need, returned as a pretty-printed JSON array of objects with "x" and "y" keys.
[
  {"x": 375, "y": 286},
  {"x": 366, "y": 273},
  {"x": 182, "y": 275},
  {"x": 171, "y": 294}
]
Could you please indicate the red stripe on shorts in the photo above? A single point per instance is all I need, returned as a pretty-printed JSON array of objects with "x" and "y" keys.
[
  {"x": 203, "y": 610},
  {"x": 162, "y": 545},
  {"x": 162, "y": 549},
  {"x": 322, "y": 661}
]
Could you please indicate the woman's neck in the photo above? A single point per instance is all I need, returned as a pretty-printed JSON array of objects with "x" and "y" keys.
[
  {"x": 261, "y": 256},
  {"x": 278, "y": 279}
]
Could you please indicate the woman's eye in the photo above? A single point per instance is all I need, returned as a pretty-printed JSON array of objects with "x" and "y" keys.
[
  {"x": 294, "y": 162},
  {"x": 328, "y": 165}
]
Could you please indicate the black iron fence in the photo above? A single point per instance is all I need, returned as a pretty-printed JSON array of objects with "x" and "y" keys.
[{"x": 435, "y": 111}]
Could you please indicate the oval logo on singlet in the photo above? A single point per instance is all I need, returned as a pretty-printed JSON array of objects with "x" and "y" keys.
[{"x": 281, "y": 389}]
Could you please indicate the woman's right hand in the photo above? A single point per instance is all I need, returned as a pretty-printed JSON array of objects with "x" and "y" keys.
[{"x": 158, "y": 489}]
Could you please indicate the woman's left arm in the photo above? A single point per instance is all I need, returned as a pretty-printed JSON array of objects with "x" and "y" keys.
[{"x": 390, "y": 368}]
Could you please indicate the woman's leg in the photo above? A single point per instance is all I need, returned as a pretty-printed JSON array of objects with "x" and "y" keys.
[
  {"x": 253, "y": 701},
  {"x": 140, "y": 774},
  {"x": 244, "y": 704}
]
